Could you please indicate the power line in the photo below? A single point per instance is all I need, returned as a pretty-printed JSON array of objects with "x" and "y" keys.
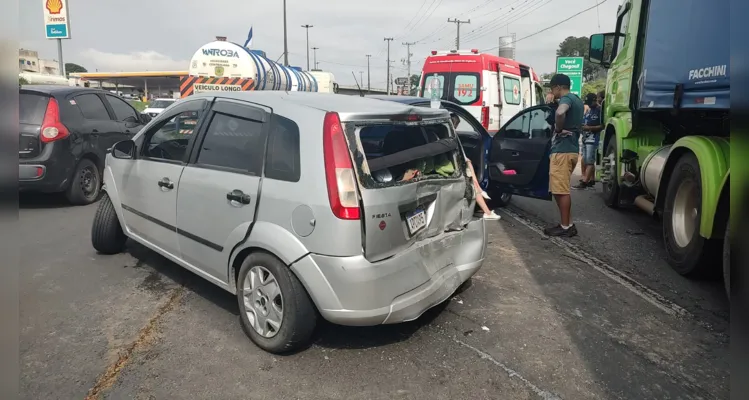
[
  {"x": 415, "y": 15},
  {"x": 477, "y": 29},
  {"x": 426, "y": 16},
  {"x": 549, "y": 27},
  {"x": 502, "y": 22}
]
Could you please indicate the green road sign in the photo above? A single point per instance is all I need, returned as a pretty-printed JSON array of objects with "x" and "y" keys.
[{"x": 572, "y": 67}]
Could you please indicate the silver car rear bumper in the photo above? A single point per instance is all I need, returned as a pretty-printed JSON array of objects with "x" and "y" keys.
[{"x": 354, "y": 291}]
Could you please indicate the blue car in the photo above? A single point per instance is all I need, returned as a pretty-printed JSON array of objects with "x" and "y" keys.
[{"x": 515, "y": 161}]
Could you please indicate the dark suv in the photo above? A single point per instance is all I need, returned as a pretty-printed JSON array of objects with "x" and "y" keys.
[{"x": 65, "y": 133}]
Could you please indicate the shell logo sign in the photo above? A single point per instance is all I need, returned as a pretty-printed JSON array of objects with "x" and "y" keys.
[{"x": 53, "y": 6}]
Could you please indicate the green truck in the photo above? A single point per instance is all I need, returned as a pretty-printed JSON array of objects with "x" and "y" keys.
[{"x": 666, "y": 144}]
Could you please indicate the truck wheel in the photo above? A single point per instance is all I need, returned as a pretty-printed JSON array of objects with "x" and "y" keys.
[
  {"x": 107, "y": 236},
  {"x": 727, "y": 261},
  {"x": 85, "y": 185},
  {"x": 275, "y": 310},
  {"x": 610, "y": 171},
  {"x": 687, "y": 251}
]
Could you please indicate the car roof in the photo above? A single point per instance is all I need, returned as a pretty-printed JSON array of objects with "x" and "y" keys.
[
  {"x": 59, "y": 89},
  {"x": 346, "y": 106},
  {"x": 410, "y": 100}
]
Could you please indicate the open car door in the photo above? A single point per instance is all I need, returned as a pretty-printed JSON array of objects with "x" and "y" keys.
[{"x": 519, "y": 156}]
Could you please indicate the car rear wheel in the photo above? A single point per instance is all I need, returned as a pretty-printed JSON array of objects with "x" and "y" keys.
[
  {"x": 107, "y": 236},
  {"x": 275, "y": 310},
  {"x": 85, "y": 185}
]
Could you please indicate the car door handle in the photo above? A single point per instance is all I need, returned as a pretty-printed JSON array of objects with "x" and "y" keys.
[
  {"x": 515, "y": 153},
  {"x": 238, "y": 196},
  {"x": 166, "y": 183}
]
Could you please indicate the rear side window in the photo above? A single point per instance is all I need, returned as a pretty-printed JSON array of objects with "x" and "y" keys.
[
  {"x": 402, "y": 153},
  {"x": 458, "y": 87},
  {"x": 92, "y": 107},
  {"x": 32, "y": 108},
  {"x": 121, "y": 109},
  {"x": 234, "y": 143},
  {"x": 282, "y": 161},
  {"x": 511, "y": 88}
]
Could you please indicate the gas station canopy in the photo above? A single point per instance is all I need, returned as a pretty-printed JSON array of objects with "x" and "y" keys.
[{"x": 145, "y": 79}]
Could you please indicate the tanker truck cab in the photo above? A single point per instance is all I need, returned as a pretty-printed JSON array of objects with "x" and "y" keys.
[
  {"x": 493, "y": 89},
  {"x": 665, "y": 148}
]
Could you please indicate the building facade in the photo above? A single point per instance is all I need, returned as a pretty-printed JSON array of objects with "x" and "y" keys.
[{"x": 29, "y": 61}]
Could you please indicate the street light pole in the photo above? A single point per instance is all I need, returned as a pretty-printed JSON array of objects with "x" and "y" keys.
[
  {"x": 285, "y": 38},
  {"x": 387, "y": 85},
  {"x": 307, "y": 28},
  {"x": 368, "y": 86}
]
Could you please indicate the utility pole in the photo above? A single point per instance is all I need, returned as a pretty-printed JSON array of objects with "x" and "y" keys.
[
  {"x": 408, "y": 64},
  {"x": 285, "y": 38},
  {"x": 387, "y": 79},
  {"x": 314, "y": 54},
  {"x": 368, "y": 86},
  {"x": 307, "y": 28},
  {"x": 458, "y": 22},
  {"x": 361, "y": 77}
]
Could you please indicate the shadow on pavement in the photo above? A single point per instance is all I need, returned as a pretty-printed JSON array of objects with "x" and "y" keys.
[
  {"x": 42, "y": 200},
  {"x": 327, "y": 335}
]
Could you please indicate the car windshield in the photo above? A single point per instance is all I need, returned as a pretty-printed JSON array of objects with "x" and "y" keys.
[
  {"x": 160, "y": 104},
  {"x": 32, "y": 108}
]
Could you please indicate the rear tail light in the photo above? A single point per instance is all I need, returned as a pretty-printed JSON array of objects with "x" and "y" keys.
[
  {"x": 485, "y": 117},
  {"x": 52, "y": 127},
  {"x": 339, "y": 171}
]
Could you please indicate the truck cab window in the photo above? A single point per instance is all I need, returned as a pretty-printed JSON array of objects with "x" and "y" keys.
[{"x": 622, "y": 31}]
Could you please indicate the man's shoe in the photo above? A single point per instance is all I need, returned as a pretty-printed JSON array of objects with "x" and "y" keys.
[
  {"x": 581, "y": 186},
  {"x": 559, "y": 231}
]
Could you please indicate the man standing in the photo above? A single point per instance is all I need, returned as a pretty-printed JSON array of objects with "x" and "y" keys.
[
  {"x": 565, "y": 148},
  {"x": 592, "y": 127}
]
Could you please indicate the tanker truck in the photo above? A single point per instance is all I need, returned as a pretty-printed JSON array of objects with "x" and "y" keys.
[
  {"x": 225, "y": 66},
  {"x": 665, "y": 147}
]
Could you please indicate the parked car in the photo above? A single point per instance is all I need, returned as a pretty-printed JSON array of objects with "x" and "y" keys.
[
  {"x": 325, "y": 234},
  {"x": 156, "y": 106},
  {"x": 513, "y": 161},
  {"x": 65, "y": 132}
]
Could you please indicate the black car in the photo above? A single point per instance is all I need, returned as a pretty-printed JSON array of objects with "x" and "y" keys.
[{"x": 65, "y": 133}]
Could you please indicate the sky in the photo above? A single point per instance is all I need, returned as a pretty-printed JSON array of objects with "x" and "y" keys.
[{"x": 139, "y": 35}]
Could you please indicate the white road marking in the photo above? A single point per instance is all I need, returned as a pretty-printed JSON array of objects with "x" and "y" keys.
[
  {"x": 511, "y": 372},
  {"x": 635, "y": 287}
]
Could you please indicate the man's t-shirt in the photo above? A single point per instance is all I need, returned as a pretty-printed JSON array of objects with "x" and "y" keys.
[
  {"x": 592, "y": 118},
  {"x": 569, "y": 143}
]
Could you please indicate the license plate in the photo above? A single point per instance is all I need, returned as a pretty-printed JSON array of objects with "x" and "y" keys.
[{"x": 416, "y": 220}]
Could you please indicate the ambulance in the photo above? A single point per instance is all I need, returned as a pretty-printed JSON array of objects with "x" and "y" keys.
[{"x": 493, "y": 89}]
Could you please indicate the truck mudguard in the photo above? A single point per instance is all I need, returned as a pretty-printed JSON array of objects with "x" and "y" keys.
[{"x": 713, "y": 155}]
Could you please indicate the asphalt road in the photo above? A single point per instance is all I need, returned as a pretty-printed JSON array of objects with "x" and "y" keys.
[{"x": 543, "y": 319}]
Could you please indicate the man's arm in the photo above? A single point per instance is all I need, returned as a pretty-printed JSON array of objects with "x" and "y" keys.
[{"x": 560, "y": 116}]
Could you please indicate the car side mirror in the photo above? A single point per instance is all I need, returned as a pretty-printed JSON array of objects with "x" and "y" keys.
[
  {"x": 145, "y": 118},
  {"x": 124, "y": 150}
]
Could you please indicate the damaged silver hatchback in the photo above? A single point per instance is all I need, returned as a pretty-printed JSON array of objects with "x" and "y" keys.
[{"x": 302, "y": 205}]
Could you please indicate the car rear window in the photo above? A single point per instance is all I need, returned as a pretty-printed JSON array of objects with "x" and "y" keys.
[
  {"x": 395, "y": 152},
  {"x": 32, "y": 108}
]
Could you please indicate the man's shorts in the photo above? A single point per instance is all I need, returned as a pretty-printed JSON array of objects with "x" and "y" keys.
[
  {"x": 561, "y": 167},
  {"x": 589, "y": 153}
]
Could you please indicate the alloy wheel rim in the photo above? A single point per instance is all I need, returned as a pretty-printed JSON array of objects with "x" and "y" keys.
[
  {"x": 263, "y": 301},
  {"x": 684, "y": 215}
]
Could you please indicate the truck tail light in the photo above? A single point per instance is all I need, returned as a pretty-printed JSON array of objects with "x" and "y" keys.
[
  {"x": 52, "y": 126},
  {"x": 485, "y": 117},
  {"x": 339, "y": 171}
]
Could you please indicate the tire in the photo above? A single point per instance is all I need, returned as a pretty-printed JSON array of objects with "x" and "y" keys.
[
  {"x": 611, "y": 188},
  {"x": 107, "y": 236},
  {"x": 727, "y": 261},
  {"x": 86, "y": 184},
  {"x": 501, "y": 199},
  {"x": 298, "y": 316},
  {"x": 687, "y": 252}
]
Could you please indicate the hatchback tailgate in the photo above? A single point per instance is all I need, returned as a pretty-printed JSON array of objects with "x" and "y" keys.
[{"x": 398, "y": 213}]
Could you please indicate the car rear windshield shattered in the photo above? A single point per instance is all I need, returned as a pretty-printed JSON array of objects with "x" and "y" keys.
[{"x": 403, "y": 153}]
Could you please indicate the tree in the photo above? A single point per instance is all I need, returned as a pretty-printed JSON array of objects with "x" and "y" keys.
[
  {"x": 593, "y": 87},
  {"x": 72, "y": 67},
  {"x": 414, "y": 89}
]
